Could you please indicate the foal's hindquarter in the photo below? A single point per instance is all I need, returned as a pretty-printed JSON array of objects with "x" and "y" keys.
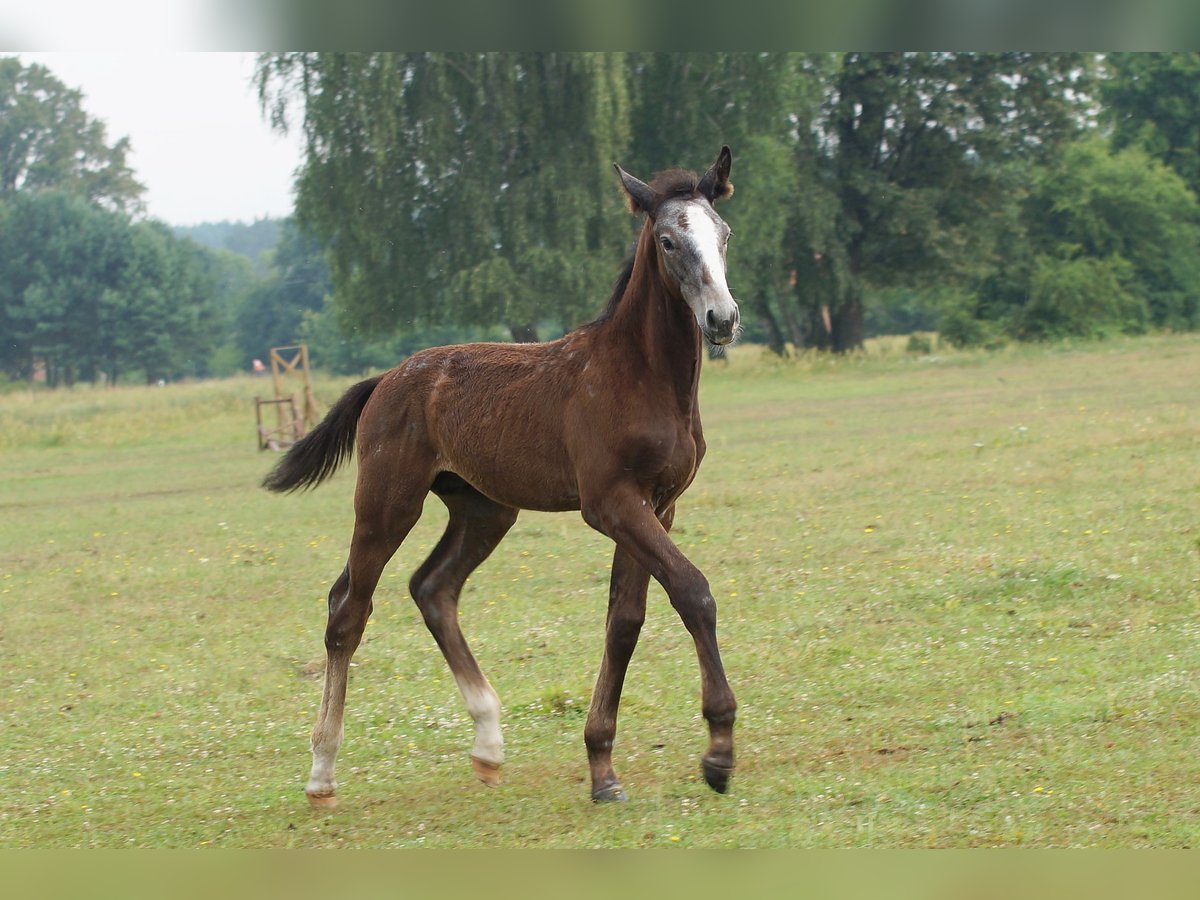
[{"x": 604, "y": 421}]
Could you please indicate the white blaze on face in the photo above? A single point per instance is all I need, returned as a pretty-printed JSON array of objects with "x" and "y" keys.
[
  {"x": 707, "y": 242},
  {"x": 707, "y": 291}
]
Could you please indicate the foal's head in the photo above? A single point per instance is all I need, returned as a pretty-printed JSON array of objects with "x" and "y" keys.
[{"x": 690, "y": 240}]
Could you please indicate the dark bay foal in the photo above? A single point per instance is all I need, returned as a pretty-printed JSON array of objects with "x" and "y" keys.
[{"x": 603, "y": 420}]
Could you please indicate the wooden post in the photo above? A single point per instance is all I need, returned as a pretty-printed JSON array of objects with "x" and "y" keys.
[
  {"x": 284, "y": 435},
  {"x": 291, "y": 423}
]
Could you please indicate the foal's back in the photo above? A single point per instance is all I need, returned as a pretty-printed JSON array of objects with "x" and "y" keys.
[{"x": 499, "y": 416}]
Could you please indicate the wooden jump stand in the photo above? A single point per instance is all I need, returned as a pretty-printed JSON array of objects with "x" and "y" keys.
[{"x": 290, "y": 423}]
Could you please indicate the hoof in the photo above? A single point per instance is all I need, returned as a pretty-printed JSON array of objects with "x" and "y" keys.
[
  {"x": 610, "y": 793},
  {"x": 488, "y": 773},
  {"x": 716, "y": 775},
  {"x": 322, "y": 801}
]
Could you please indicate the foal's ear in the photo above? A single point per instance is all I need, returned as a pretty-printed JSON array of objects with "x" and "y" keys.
[
  {"x": 641, "y": 196},
  {"x": 715, "y": 185}
]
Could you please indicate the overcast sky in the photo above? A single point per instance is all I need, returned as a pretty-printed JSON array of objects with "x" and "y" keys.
[{"x": 199, "y": 143}]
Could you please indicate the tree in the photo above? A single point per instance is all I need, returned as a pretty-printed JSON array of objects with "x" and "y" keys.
[
  {"x": 172, "y": 321},
  {"x": 911, "y": 154},
  {"x": 472, "y": 189},
  {"x": 464, "y": 187},
  {"x": 61, "y": 261},
  {"x": 272, "y": 313},
  {"x": 88, "y": 294},
  {"x": 256, "y": 241},
  {"x": 1150, "y": 100},
  {"x": 685, "y": 105},
  {"x": 1108, "y": 244},
  {"x": 48, "y": 141}
]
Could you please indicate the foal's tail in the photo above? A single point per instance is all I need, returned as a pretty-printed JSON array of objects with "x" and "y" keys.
[{"x": 317, "y": 455}]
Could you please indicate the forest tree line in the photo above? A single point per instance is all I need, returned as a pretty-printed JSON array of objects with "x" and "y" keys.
[
  {"x": 444, "y": 196},
  {"x": 992, "y": 196}
]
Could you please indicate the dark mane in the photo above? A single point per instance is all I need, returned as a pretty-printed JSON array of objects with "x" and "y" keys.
[
  {"x": 675, "y": 183},
  {"x": 618, "y": 288}
]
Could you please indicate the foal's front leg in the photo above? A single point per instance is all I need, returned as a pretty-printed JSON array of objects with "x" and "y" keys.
[
  {"x": 625, "y": 516},
  {"x": 626, "y": 613}
]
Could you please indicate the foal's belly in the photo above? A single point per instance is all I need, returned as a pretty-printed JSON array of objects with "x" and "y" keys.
[
  {"x": 520, "y": 475},
  {"x": 545, "y": 476}
]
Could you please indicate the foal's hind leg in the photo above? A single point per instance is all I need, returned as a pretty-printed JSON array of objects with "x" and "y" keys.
[
  {"x": 378, "y": 531},
  {"x": 476, "y": 526}
]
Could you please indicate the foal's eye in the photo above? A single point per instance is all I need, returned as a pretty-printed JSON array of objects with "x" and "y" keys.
[{"x": 666, "y": 242}]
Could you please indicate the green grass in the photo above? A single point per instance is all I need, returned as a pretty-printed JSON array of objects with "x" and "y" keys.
[{"x": 958, "y": 597}]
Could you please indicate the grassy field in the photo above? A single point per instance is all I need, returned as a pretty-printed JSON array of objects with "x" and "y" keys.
[{"x": 958, "y": 595}]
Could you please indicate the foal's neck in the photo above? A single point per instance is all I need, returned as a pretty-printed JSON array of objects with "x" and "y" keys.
[{"x": 653, "y": 328}]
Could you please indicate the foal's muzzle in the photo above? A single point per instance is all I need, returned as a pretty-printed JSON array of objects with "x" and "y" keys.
[{"x": 721, "y": 330}]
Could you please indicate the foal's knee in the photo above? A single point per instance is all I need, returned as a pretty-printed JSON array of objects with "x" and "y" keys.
[{"x": 694, "y": 602}]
